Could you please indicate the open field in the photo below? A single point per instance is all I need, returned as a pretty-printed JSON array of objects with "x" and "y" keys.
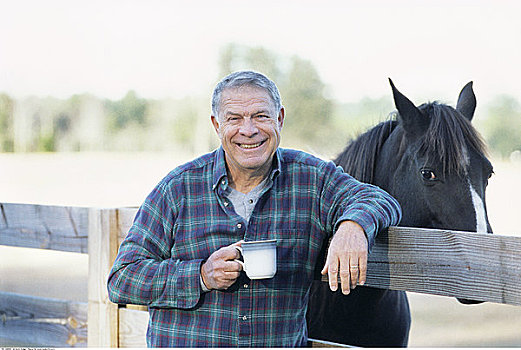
[{"x": 105, "y": 180}]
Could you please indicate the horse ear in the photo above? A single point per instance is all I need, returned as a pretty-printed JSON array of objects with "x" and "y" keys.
[
  {"x": 414, "y": 122},
  {"x": 467, "y": 101}
]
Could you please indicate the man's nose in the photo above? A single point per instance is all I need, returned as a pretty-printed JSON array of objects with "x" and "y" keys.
[{"x": 248, "y": 127}]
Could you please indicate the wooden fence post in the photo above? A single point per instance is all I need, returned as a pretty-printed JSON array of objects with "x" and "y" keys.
[{"x": 103, "y": 246}]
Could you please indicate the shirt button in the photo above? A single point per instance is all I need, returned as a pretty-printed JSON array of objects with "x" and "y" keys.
[
  {"x": 223, "y": 182},
  {"x": 226, "y": 204},
  {"x": 239, "y": 225},
  {"x": 244, "y": 318},
  {"x": 245, "y": 286},
  {"x": 251, "y": 201}
]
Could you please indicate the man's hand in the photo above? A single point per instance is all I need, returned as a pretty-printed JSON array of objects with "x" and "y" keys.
[
  {"x": 220, "y": 271},
  {"x": 348, "y": 254}
]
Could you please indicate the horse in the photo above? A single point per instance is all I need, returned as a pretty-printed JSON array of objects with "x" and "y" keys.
[{"x": 432, "y": 160}]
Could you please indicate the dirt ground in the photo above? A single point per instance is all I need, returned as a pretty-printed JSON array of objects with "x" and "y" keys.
[{"x": 104, "y": 180}]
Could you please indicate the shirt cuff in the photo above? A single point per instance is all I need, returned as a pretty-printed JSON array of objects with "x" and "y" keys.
[{"x": 203, "y": 286}]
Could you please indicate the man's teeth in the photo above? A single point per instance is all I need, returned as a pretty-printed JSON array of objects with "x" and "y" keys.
[{"x": 250, "y": 146}]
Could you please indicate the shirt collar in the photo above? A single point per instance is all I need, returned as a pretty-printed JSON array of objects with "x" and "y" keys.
[
  {"x": 221, "y": 177},
  {"x": 219, "y": 170}
]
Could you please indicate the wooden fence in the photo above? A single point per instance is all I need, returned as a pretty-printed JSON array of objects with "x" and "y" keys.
[{"x": 441, "y": 262}]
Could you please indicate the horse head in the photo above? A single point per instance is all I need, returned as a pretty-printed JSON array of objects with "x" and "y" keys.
[{"x": 434, "y": 163}]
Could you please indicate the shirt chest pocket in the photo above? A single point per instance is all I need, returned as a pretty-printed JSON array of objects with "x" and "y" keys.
[{"x": 295, "y": 261}]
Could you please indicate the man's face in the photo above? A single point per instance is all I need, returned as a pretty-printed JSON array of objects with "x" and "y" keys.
[{"x": 249, "y": 127}]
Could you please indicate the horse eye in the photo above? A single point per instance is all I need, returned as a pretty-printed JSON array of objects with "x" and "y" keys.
[{"x": 428, "y": 174}]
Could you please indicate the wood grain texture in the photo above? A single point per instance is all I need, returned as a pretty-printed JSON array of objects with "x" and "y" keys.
[
  {"x": 132, "y": 328},
  {"x": 442, "y": 262},
  {"x": 103, "y": 247},
  {"x": 44, "y": 226},
  {"x": 125, "y": 221},
  {"x": 449, "y": 263},
  {"x": 42, "y": 321}
]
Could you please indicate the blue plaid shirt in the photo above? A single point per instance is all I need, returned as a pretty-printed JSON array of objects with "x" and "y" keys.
[{"x": 187, "y": 217}]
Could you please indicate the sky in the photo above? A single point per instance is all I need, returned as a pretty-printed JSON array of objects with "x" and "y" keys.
[{"x": 430, "y": 49}]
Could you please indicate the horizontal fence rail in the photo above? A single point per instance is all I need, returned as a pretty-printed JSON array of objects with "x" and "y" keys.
[
  {"x": 442, "y": 262},
  {"x": 45, "y": 227},
  {"x": 43, "y": 321},
  {"x": 459, "y": 264}
]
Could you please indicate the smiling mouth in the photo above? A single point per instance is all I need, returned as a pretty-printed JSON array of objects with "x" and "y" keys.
[{"x": 250, "y": 146}]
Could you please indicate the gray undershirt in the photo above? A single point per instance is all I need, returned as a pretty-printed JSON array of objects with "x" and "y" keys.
[{"x": 245, "y": 203}]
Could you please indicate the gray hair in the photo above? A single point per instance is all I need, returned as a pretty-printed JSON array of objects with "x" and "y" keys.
[{"x": 245, "y": 78}]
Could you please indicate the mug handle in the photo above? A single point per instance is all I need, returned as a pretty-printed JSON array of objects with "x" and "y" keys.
[{"x": 237, "y": 260}]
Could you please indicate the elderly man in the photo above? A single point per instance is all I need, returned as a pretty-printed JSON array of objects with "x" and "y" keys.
[{"x": 178, "y": 257}]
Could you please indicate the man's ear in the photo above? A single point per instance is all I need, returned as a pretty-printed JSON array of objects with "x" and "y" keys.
[
  {"x": 215, "y": 125},
  {"x": 281, "y": 116}
]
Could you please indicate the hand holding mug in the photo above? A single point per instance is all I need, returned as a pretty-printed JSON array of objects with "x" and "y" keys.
[{"x": 221, "y": 270}]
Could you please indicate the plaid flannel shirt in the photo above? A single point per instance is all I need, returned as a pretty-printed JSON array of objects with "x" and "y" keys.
[{"x": 186, "y": 218}]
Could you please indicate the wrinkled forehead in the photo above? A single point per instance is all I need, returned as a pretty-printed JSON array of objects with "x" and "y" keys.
[{"x": 246, "y": 97}]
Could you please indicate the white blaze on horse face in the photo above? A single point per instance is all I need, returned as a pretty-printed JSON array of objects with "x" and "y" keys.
[{"x": 479, "y": 208}]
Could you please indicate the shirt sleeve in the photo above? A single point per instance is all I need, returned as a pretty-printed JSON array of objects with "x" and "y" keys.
[
  {"x": 345, "y": 198},
  {"x": 144, "y": 272}
]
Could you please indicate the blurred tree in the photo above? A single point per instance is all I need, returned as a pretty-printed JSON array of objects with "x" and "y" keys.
[
  {"x": 359, "y": 116},
  {"x": 234, "y": 57},
  {"x": 308, "y": 111},
  {"x": 47, "y": 143},
  {"x": 502, "y": 126},
  {"x": 226, "y": 61},
  {"x": 349, "y": 120},
  {"x": 129, "y": 110},
  {"x": 184, "y": 130},
  {"x": 263, "y": 61},
  {"x": 302, "y": 91},
  {"x": 6, "y": 124},
  {"x": 66, "y": 125}
]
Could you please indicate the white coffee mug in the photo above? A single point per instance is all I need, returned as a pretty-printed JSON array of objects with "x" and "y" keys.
[{"x": 260, "y": 258}]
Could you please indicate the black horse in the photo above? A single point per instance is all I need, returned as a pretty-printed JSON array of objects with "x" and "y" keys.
[{"x": 433, "y": 161}]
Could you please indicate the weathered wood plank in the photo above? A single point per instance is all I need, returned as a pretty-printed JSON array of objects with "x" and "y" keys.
[
  {"x": 442, "y": 262},
  {"x": 132, "y": 328},
  {"x": 44, "y": 226},
  {"x": 449, "y": 263},
  {"x": 103, "y": 247},
  {"x": 42, "y": 321},
  {"x": 125, "y": 221}
]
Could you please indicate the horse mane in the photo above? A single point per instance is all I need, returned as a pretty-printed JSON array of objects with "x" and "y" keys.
[
  {"x": 446, "y": 140},
  {"x": 448, "y": 136},
  {"x": 359, "y": 157}
]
